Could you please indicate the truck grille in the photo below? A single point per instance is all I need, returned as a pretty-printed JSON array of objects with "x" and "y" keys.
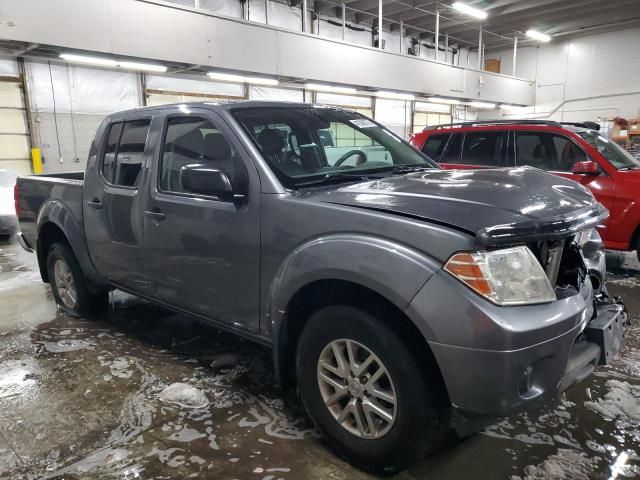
[{"x": 563, "y": 263}]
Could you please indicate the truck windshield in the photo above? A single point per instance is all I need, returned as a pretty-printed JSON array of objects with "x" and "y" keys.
[
  {"x": 302, "y": 144},
  {"x": 617, "y": 156}
]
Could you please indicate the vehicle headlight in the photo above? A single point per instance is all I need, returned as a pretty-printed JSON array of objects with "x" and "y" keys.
[
  {"x": 589, "y": 238},
  {"x": 510, "y": 276}
]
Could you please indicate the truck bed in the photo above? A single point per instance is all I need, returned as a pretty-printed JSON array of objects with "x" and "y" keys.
[{"x": 35, "y": 190}]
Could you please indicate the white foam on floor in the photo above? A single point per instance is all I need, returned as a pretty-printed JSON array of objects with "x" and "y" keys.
[
  {"x": 567, "y": 464},
  {"x": 184, "y": 395},
  {"x": 622, "y": 400}
]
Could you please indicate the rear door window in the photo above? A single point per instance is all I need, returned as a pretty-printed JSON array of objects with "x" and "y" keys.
[
  {"x": 547, "y": 151},
  {"x": 124, "y": 151},
  {"x": 434, "y": 146},
  {"x": 453, "y": 149},
  {"x": 110, "y": 151},
  {"x": 484, "y": 148},
  {"x": 130, "y": 152}
]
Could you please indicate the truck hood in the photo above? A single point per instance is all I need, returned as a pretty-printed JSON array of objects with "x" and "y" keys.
[{"x": 497, "y": 206}]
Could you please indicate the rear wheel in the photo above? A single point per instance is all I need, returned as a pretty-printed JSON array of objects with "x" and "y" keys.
[
  {"x": 366, "y": 392},
  {"x": 69, "y": 285}
]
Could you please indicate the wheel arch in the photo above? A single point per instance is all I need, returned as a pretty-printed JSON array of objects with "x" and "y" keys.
[
  {"x": 635, "y": 240},
  {"x": 320, "y": 293},
  {"x": 48, "y": 234}
]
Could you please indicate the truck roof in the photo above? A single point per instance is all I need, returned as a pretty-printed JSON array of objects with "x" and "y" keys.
[{"x": 221, "y": 105}]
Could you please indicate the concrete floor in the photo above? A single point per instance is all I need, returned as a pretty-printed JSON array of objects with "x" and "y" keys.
[{"x": 80, "y": 399}]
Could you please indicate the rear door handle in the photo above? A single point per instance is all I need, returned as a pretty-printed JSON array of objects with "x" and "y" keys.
[
  {"x": 156, "y": 215},
  {"x": 95, "y": 203}
]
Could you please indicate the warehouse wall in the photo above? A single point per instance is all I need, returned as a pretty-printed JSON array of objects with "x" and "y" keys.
[
  {"x": 176, "y": 33},
  {"x": 582, "y": 78}
]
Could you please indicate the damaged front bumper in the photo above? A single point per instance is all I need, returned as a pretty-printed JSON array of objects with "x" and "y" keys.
[
  {"x": 601, "y": 340},
  {"x": 499, "y": 361}
]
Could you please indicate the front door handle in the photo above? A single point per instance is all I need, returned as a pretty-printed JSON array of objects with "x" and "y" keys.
[
  {"x": 155, "y": 214},
  {"x": 95, "y": 203}
]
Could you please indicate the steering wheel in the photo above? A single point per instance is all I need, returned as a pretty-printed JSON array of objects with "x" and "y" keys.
[{"x": 349, "y": 154}]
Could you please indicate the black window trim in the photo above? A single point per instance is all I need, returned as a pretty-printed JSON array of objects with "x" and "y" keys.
[
  {"x": 197, "y": 114},
  {"x": 104, "y": 148},
  {"x": 446, "y": 147}
]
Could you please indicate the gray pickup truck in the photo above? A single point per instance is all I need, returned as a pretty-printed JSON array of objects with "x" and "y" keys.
[{"x": 401, "y": 299}]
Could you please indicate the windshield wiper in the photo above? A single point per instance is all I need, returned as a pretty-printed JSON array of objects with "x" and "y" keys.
[
  {"x": 332, "y": 176},
  {"x": 400, "y": 169}
]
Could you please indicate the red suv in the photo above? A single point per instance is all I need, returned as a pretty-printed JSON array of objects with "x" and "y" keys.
[{"x": 576, "y": 151}]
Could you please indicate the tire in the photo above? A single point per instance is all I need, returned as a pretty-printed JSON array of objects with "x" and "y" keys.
[
  {"x": 421, "y": 417},
  {"x": 69, "y": 285}
]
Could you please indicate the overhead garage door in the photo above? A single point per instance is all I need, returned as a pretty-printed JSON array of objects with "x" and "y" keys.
[{"x": 14, "y": 133}]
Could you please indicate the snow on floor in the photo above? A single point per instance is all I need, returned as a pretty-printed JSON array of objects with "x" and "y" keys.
[{"x": 184, "y": 395}]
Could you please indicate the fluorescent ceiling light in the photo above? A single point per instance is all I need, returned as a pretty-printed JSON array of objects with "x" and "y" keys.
[
  {"x": 506, "y": 106},
  {"x": 395, "y": 95},
  {"x": 485, "y": 105},
  {"x": 105, "y": 62},
  {"x": 330, "y": 88},
  {"x": 228, "y": 77},
  {"x": 148, "y": 67},
  {"x": 539, "y": 36},
  {"x": 448, "y": 101},
  {"x": 469, "y": 10}
]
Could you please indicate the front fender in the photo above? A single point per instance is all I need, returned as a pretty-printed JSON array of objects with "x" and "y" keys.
[
  {"x": 60, "y": 214},
  {"x": 390, "y": 269}
]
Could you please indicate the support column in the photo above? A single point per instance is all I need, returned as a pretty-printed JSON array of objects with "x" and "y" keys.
[
  {"x": 380, "y": 24},
  {"x": 401, "y": 37},
  {"x": 480, "y": 48},
  {"x": 266, "y": 11},
  {"x": 437, "y": 38},
  {"x": 304, "y": 15},
  {"x": 446, "y": 48},
  {"x": 344, "y": 22},
  {"x": 515, "y": 54}
]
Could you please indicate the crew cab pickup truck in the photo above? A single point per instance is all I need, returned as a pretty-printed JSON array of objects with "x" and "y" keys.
[
  {"x": 576, "y": 151},
  {"x": 401, "y": 299}
]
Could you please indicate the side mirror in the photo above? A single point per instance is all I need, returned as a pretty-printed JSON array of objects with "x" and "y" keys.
[
  {"x": 206, "y": 181},
  {"x": 588, "y": 167}
]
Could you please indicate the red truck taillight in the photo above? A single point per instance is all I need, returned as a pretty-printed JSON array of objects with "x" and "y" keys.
[{"x": 16, "y": 198}]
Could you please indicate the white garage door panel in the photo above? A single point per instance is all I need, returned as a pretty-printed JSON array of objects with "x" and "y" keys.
[
  {"x": 18, "y": 166},
  {"x": 75, "y": 139},
  {"x": 14, "y": 147},
  {"x": 14, "y": 142},
  {"x": 13, "y": 121},
  {"x": 10, "y": 95}
]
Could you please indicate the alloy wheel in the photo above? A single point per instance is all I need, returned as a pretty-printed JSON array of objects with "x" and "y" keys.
[{"x": 357, "y": 388}]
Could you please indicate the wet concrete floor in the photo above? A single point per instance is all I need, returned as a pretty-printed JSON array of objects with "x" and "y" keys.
[{"x": 81, "y": 399}]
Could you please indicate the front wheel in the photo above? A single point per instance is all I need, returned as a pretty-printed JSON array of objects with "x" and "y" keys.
[
  {"x": 69, "y": 285},
  {"x": 366, "y": 392}
]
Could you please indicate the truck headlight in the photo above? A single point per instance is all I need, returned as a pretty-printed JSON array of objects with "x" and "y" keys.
[{"x": 510, "y": 276}]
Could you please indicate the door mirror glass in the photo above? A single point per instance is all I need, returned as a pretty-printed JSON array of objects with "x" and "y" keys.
[
  {"x": 205, "y": 180},
  {"x": 587, "y": 167}
]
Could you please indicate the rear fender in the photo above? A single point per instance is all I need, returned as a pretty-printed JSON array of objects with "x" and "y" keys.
[{"x": 56, "y": 212}]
